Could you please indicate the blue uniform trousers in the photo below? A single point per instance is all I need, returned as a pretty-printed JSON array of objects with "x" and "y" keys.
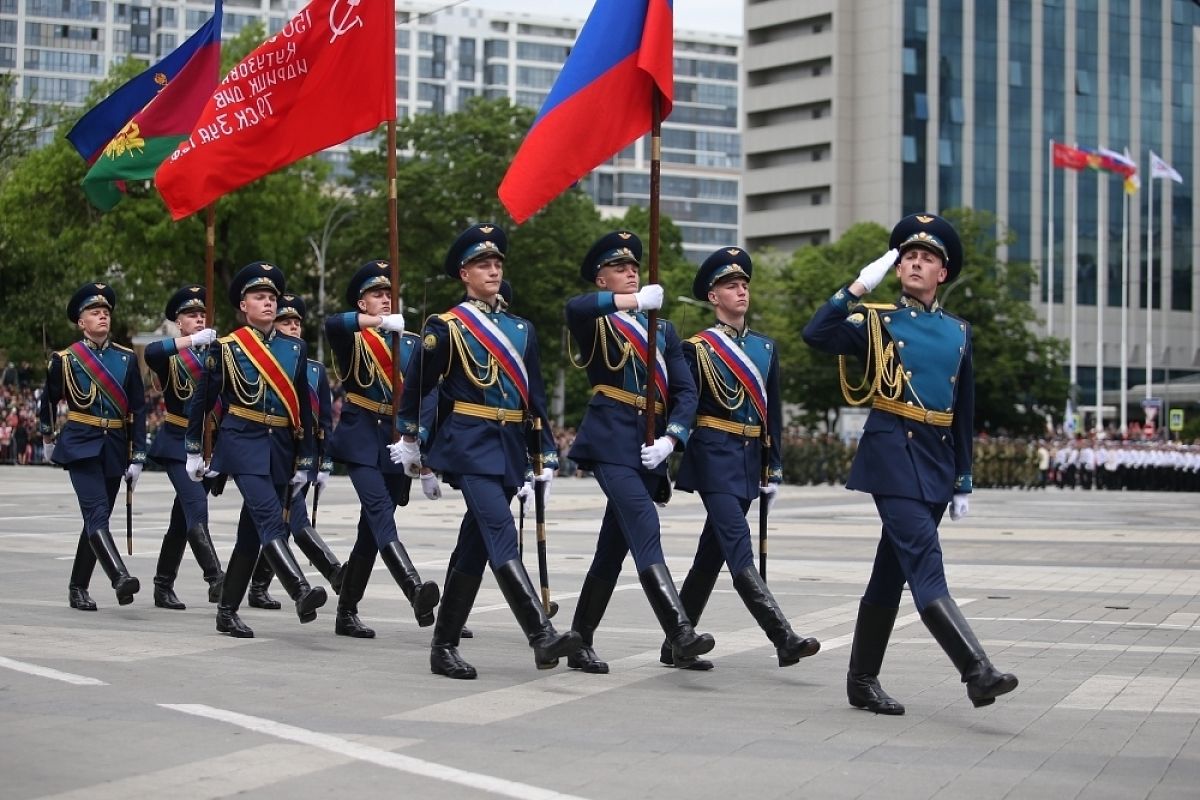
[
  {"x": 298, "y": 518},
  {"x": 264, "y": 501},
  {"x": 379, "y": 493},
  {"x": 908, "y": 550},
  {"x": 726, "y": 535},
  {"x": 190, "y": 495},
  {"x": 630, "y": 521},
  {"x": 488, "y": 532},
  {"x": 96, "y": 493}
]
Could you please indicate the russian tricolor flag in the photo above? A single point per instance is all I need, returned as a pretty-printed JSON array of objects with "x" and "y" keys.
[{"x": 600, "y": 103}]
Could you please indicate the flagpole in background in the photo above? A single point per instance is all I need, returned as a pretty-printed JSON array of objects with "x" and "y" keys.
[
  {"x": 1050, "y": 258},
  {"x": 1149, "y": 284},
  {"x": 1124, "y": 311},
  {"x": 1101, "y": 299},
  {"x": 1073, "y": 283},
  {"x": 652, "y": 320}
]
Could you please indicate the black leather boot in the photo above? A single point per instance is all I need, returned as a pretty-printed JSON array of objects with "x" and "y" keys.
[
  {"x": 871, "y": 634},
  {"x": 170, "y": 556},
  {"x": 444, "y": 658},
  {"x": 307, "y": 598},
  {"x": 697, "y": 588},
  {"x": 237, "y": 578},
  {"x": 354, "y": 576},
  {"x": 548, "y": 644},
  {"x": 258, "y": 597},
  {"x": 423, "y": 596},
  {"x": 789, "y": 647},
  {"x": 320, "y": 556},
  {"x": 467, "y": 633},
  {"x": 206, "y": 556},
  {"x": 686, "y": 644},
  {"x": 81, "y": 575},
  {"x": 984, "y": 682},
  {"x": 593, "y": 600},
  {"x": 125, "y": 585}
]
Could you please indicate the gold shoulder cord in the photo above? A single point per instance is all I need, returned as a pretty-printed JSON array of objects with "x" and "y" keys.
[
  {"x": 78, "y": 396},
  {"x": 248, "y": 393},
  {"x": 888, "y": 381},
  {"x": 603, "y": 330},
  {"x": 730, "y": 397},
  {"x": 362, "y": 366},
  {"x": 482, "y": 374},
  {"x": 180, "y": 379}
]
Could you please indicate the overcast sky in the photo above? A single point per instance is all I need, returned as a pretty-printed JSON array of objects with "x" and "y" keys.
[{"x": 724, "y": 16}]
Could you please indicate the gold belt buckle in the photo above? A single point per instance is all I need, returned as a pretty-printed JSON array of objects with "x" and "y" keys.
[
  {"x": 640, "y": 402},
  {"x": 500, "y": 417},
  {"x": 929, "y": 417},
  {"x": 746, "y": 431}
]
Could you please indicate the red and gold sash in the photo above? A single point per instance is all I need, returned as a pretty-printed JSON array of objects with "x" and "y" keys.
[
  {"x": 269, "y": 367},
  {"x": 381, "y": 354},
  {"x": 101, "y": 377}
]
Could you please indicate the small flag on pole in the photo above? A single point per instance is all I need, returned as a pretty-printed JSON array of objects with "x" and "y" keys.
[{"x": 1161, "y": 169}]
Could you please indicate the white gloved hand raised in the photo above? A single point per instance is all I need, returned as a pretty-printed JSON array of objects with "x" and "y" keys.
[
  {"x": 430, "y": 486},
  {"x": 132, "y": 473},
  {"x": 195, "y": 466},
  {"x": 873, "y": 274},
  {"x": 655, "y": 454},
  {"x": 649, "y": 297},
  {"x": 959, "y": 506},
  {"x": 300, "y": 478},
  {"x": 407, "y": 454},
  {"x": 48, "y": 452},
  {"x": 392, "y": 323},
  {"x": 204, "y": 338},
  {"x": 769, "y": 494}
]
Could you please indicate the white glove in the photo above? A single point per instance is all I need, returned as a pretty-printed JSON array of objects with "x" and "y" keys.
[
  {"x": 959, "y": 507},
  {"x": 873, "y": 274},
  {"x": 408, "y": 454},
  {"x": 300, "y": 478},
  {"x": 649, "y": 297},
  {"x": 392, "y": 323},
  {"x": 132, "y": 473},
  {"x": 655, "y": 454},
  {"x": 195, "y": 466},
  {"x": 204, "y": 338},
  {"x": 322, "y": 479},
  {"x": 525, "y": 493},
  {"x": 547, "y": 477},
  {"x": 769, "y": 493},
  {"x": 48, "y": 452},
  {"x": 430, "y": 486}
]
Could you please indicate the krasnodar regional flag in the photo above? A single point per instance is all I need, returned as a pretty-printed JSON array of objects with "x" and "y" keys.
[
  {"x": 328, "y": 75},
  {"x": 600, "y": 102}
]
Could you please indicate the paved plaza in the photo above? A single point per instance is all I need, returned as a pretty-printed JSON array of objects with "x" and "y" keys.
[{"x": 1090, "y": 598}]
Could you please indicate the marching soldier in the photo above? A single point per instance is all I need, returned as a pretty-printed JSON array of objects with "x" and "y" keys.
[
  {"x": 265, "y": 444},
  {"x": 738, "y": 416},
  {"x": 104, "y": 438},
  {"x": 289, "y": 320},
  {"x": 609, "y": 328},
  {"x": 914, "y": 456},
  {"x": 177, "y": 365},
  {"x": 363, "y": 347},
  {"x": 490, "y": 390}
]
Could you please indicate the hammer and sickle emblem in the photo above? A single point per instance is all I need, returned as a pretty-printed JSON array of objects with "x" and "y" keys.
[{"x": 346, "y": 24}]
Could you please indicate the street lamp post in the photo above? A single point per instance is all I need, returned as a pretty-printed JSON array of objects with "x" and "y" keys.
[{"x": 332, "y": 222}]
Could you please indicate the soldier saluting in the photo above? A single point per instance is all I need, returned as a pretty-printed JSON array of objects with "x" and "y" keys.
[
  {"x": 914, "y": 456},
  {"x": 260, "y": 376},
  {"x": 104, "y": 438}
]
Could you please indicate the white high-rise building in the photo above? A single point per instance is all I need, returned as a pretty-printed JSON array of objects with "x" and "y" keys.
[{"x": 444, "y": 56}]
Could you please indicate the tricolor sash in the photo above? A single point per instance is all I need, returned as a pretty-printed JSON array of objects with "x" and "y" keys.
[
  {"x": 269, "y": 367},
  {"x": 191, "y": 362},
  {"x": 498, "y": 345},
  {"x": 101, "y": 377},
  {"x": 632, "y": 329},
  {"x": 740, "y": 364},
  {"x": 381, "y": 354}
]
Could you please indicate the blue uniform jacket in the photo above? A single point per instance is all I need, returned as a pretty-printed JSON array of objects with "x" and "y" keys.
[
  {"x": 898, "y": 456},
  {"x": 362, "y": 435},
  {"x": 472, "y": 445},
  {"x": 178, "y": 389},
  {"x": 243, "y": 446},
  {"x": 720, "y": 461},
  {"x": 613, "y": 432},
  {"x": 67, "y": 379}
]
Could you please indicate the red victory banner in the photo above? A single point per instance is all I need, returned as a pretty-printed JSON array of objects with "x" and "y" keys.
[
  {"x": 1069, "y": 157},
  {"x": 328, "y": 75}
]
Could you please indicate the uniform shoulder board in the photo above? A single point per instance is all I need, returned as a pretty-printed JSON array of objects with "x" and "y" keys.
[
  {"x": 879, "y": 306},
  {"x": 226, "y": 340},
  {"x": 120, "y": 347},
  {"x": 694, "y": 339},
  {"x": 446, "y": 317}
]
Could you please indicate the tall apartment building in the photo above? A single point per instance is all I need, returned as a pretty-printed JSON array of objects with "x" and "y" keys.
[
  {"x": 873, "y": 109},
  {"x": 444, "y": 56}
]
